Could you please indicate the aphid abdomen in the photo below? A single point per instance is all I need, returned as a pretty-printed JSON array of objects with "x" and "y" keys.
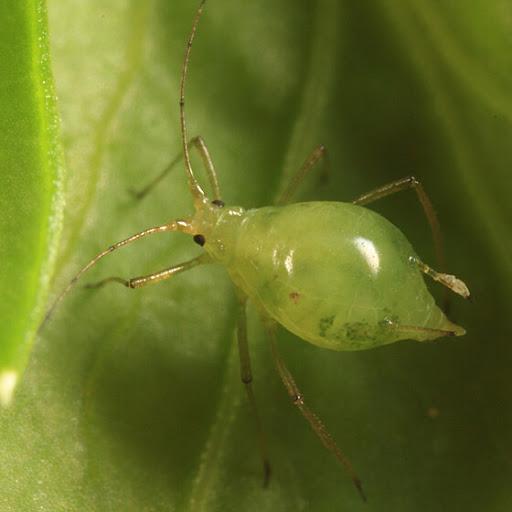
[{"x": 335, "y": 274}]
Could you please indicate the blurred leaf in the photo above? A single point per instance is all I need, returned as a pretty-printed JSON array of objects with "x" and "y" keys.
[
  {"x": 132, "y": 399},
  {"x": 30, "y": 187}
]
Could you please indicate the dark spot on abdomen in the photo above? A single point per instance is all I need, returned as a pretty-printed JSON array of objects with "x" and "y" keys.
[{"x": 325, "y": 324}]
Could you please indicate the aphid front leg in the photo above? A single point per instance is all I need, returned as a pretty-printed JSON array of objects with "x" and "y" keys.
[
  {"x": 199, "y": 144},
  {"x": 246, "y": 376},
  {"x": 139, "y": 282},
  {"x": 310, "y": 162},
  {"x": 177, "y": 225},
  {"x": 314, "y": 421}
]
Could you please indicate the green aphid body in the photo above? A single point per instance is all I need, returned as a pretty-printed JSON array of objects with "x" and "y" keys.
[{"x": 335, "y": 274}]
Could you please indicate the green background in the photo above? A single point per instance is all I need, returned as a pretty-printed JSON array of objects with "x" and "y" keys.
[{"x": 131, "y": 399}]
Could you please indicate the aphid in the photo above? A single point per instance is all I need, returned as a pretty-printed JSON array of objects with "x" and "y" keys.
[{"x": 335, "y": 274}]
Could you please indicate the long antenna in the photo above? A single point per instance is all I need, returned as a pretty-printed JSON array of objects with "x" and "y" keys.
[{"x": 195, "y": 189}]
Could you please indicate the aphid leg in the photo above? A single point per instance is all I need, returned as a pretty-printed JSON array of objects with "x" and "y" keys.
[
  {"x": 178, "y": 225},
  {"x": 450, "y": 281},
  {"x": 405, "y": 184},
  {"x": 314, "y": 421},
  {"x": 302, "y": 172},
  {"x": 139, "y": 282},
  {"x": 199, "y": 144},
  {"x": 246, "y": 376}
]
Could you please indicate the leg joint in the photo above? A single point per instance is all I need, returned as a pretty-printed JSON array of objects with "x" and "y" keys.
[
  {"x": 413, "y": 181},
  {"x": 298, "y": 399}
]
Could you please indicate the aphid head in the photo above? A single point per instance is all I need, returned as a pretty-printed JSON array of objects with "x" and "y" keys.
[{"x": 215, "y": 228}]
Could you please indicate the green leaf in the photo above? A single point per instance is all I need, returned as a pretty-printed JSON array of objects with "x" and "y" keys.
[
  {"x": 30, "y": 190},
  {"x": 132, "y": 399}
]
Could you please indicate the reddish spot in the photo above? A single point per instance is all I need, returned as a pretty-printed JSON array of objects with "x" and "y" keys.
[
  {"x": 295, "y": 296},
  {"x": 433, "y": 412}
]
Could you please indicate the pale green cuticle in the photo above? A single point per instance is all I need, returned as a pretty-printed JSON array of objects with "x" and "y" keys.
[{"x": 350, "y": 268}]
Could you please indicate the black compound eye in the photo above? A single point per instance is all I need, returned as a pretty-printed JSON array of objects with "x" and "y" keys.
[
  {"x": 199, "y": 240},
  {"x": 218, "y": 202}
]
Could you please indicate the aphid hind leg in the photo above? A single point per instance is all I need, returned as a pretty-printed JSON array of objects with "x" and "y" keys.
[
  {"x": 314, "y": 421},
  {"x": 199, "y": 144},
  {"x": 318, "y": 153},
  {"x": 246, "y": 377},
  {"x": 139, "y": 282}
]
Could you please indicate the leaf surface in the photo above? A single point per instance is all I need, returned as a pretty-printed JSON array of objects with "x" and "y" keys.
[
  {"x": 30, "y": 186},
  {"x": 132, "y": 399}
]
